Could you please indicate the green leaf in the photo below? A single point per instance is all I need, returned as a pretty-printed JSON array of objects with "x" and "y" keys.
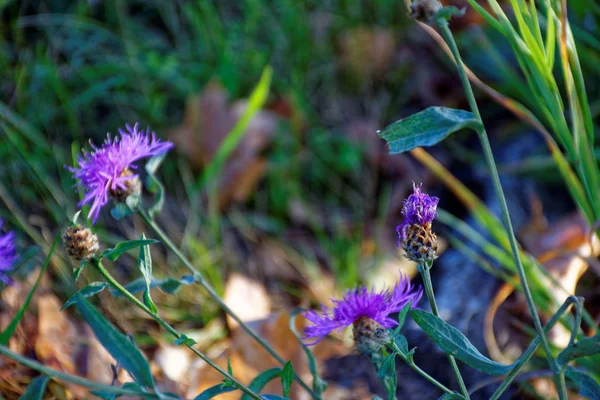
[
  {"x": 588, "y": 387},
  {"x": 116, "y": 343},
  {"x": 214, "y": 391},
  {"x": 184, "y": 340},
  {"x": 114, "y": 253},
  {"x": 111, "y": 396},
  {"x": 261, "y": 381},
  {"x": 272, "y": 397},
  {"x": 427, "y": 128},
  {"x": 287, "y": 378},
  {"x": 154, "y": 185},
  {"x": 77, "y": 271},
  {"x": 319, "y": 385},
  {"x": 402, "y": 315},
  {"x": 387, "y": 367},
  {"x": 87, "y": 291},
  {"x": 36, "y": 389},
  {"x": 446, "y": 13},
  {"x": 454, "y": 343},
  {"x": 168, "y": 285},
  {"x": 145, "y": 266},
  {"x": 12, "y": 326},
  {"x": 120, "y": 211},
  {"x": 402, "y": 345},
  {"x": 585, "y": 347},
  {"x": 75, "y": 218}
]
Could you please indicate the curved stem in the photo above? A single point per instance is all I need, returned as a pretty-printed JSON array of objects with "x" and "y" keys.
[
  {"x": 489, "y": 157},
  {"x": 72, "y": 378},
  {"x": 424, "y": 269},
  {"x": 416, "y": 368},
  {"x": 169, "y": 328},
  {"x": 215, "y": 296}
]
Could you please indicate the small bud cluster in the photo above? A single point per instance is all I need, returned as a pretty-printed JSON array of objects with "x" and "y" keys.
[
  {"x": 80, "y": 243},
  {"x": 369, "y": 336},
  {"x": 425, "y": 10}
]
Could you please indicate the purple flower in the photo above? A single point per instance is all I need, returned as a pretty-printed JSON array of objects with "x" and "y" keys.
[
  {"x": 419, "y": 208},
  {"x": 361, "y": 303},
  {"x": 107, "y": 169},
  {"x": 8, "y": 254}
]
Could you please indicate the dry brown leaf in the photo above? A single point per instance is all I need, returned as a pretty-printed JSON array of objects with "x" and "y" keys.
[
  {"x": 208, "y": 120},
  {"x": 247, "y": 298}
]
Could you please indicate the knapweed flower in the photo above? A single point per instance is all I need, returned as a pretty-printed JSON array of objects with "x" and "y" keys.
[
  {"x": 415, "y": 234},
  {"x": 80, "y": 243},
  {"x": 367, "y": 311},
  {"x": 107, "y": 172},
  {"x": 8, "y": 254},
  {"x": 425, "y": 10}
]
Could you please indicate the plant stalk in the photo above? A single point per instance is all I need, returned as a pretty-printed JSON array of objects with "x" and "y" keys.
[
  {"x": 98, "y": 264},
  {"x": 489, "y": 157},
  {"x": 424, "y": 270},
  {"x": 215, "y": 296}
]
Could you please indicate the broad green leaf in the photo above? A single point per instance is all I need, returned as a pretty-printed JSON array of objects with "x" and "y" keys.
[
  {"x": 154, "y": 185},
  {"x": 319, "y": 385},
  {"x": 585, "y": 347},
  {"x": 86, "y": 291},
  {"x": 184, "y": 340},
  {"x": 120, "y": 211},
  {"x": 402, "y": 315},
  {"x": 116, "y": 343},
  {"x": 387, "y": 367},
  {"x": 588, "y": 387},
  {"x": 454, "y": 343},
  {"x": 145, "y": 266},
  {"x": 36, "y": 389},
  {"x": 114, "y": 253},
  {"x": 12, "y": 326},
  {"x": 287, "y": 378},
  {"x": 426, "y": 128},
  {"x": 214, "y": 391},
  {"x": 261, "y": 380}
]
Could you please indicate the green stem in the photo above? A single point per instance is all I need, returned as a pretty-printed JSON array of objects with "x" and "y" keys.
[
  {"x": 489, "y": 157},
  {"x": 215, "y": 296},
  {"x": 535, "y": 344},
  {"x": 169, "y": 328},
  {"x": 72, "y": 378},
  {"x": 416, "y": 368},
  {"x": 424, "y": 269}
]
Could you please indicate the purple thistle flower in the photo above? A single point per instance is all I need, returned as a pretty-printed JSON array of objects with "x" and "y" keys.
[
  {"x": 106, "y": 168},
  {"x": 419, "y": 208},
  {"x": 8, "y": 254},
  {"x": 361, "y": 303}
]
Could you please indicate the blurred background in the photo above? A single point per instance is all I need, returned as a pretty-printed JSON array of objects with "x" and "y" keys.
[{"x": 307, "y": 204}]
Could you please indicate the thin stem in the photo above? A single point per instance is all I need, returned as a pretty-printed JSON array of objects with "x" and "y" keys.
[
  {"x": 424, "y": 269},
  {"x": 72, "y": 378},
  {"x": 416, "y": 368},
  {"x": 489, "y": 157},
  {"x": 535, "y": 343},
  {"x": 215, "y": 296},
  {"x": 170, "y": 329}
]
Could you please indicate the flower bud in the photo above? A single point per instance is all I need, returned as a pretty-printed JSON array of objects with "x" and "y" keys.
[
  {"x": 132, "y": 186},
  {"x": 425, "y": 10},
  {"x": 80, "y": 243},
  {"x": 369, "y": 335},
  {"x": 420, "y": 243}
]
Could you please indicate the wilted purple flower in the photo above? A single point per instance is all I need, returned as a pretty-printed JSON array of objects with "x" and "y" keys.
[
  {"x": 8, "y": 254},
  {"x": 419, "y": 208},
  {"x": 360, "y": 306},
  {"x": 106, "y": 171}
]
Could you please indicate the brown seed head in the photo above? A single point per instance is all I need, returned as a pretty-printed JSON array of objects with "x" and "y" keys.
[
  {"x": 420, "y": 243},
  {"x": 80, "y": 243},
  {"x": 132, "y": 186},
  {"x": 424, "y": 10},
  {"x": 369, "y": 336}
]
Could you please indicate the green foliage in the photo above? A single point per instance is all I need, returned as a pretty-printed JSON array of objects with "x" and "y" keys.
[
  {"x": 453, "y": 342},
  {"x": 427, "y": 128},
  {"x": 88, "y": 290},
  {"x": 36, "y": 389},
  {"x": 588, "y": 386},
  {"x": 145, "y": 266},
  {"x": 118, "y": 345},
  {"x": 583, "y": 348},
  {"x": 154, "y": 185},
  {"x": 287, "y": 378},
  {"x": 319, "y": 385},
  {"x": 214, "y": 391},
  {"x": 123, "y": 247}
]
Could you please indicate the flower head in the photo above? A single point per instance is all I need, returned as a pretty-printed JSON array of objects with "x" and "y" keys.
[
  {"x": 8, "y": 254},
  {"x": 415, "y": 234},
  {"x": 361, "y": 307},
  {"x": 80, "y": 243},
  {"x": 107, "y": 170}
]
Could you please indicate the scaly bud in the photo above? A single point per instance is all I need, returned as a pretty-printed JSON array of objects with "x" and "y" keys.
[
  {"x": 369, "y": 335},
  {"x": 80, "y": 243}
]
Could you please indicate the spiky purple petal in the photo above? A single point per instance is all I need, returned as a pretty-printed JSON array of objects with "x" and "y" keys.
[
  {"x": 100, "y": 171},
  {"x": 8, "y": 254},
  {"x": 357, "y": 303},
  {"x": 419, "y": 208}
]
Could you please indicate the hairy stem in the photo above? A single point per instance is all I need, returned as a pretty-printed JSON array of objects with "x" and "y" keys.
[
  {"x": 489, "y": 157},
  {"x": 424, "y": 269},
  {"x": 169, "y": 328},
  {"x": 215, "y": 296}
]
